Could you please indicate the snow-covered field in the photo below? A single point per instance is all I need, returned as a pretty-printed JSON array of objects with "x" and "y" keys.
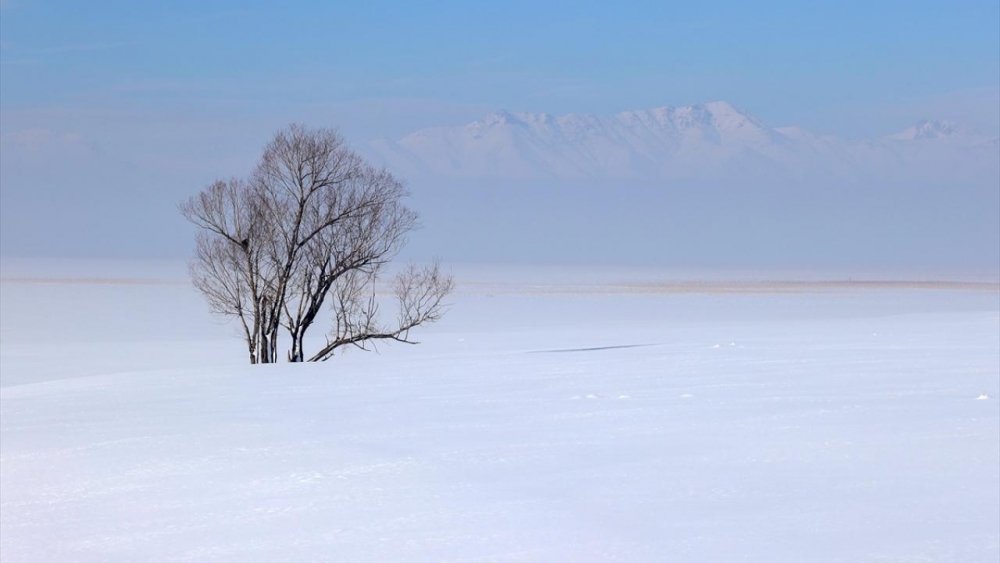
[{"x": 546, "y": 418}]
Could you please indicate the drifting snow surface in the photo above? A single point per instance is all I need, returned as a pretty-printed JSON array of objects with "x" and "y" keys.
[{"x": 537, "y": 422}]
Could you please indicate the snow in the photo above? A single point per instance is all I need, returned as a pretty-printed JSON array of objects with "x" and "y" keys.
[
  {"x": 941, "y": 130},
  {"x": 542, "y": 420}
]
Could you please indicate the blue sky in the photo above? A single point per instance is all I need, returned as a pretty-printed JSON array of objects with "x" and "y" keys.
[
  {"x": 849, "y": 68},
  {"x": 112, "y": 112}
]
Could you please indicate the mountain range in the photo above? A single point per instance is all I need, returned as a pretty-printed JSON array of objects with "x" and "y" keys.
[{"x": 714, "y": 141}]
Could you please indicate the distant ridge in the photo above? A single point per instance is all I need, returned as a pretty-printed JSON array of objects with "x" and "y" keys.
[{"x": 710, "y": 140}]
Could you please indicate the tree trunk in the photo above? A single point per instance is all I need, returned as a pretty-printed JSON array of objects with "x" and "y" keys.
[
  {"x": 295, "y": 352},
  {"x": 265, "y": 357},
  {"x": 273, "y": 343}
]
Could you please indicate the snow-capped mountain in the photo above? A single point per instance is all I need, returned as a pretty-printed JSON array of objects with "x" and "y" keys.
[
  {"x": 939, "y": 130},
  {"x": 712, "y": 140}
]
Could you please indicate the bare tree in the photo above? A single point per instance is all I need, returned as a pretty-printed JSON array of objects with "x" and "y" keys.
[
  {"x": 419, "y": 292},
  {"x": 313, "y": 225},
  {"x": 230, "y": 266}
]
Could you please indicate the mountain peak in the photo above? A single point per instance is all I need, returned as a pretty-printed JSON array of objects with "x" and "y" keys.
[
  {"x": 500, "y": 116},
  {"x": 931, "y": 129},
  {"x": 721, "y": 108},
  {"x": 724, "y": 112}
]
